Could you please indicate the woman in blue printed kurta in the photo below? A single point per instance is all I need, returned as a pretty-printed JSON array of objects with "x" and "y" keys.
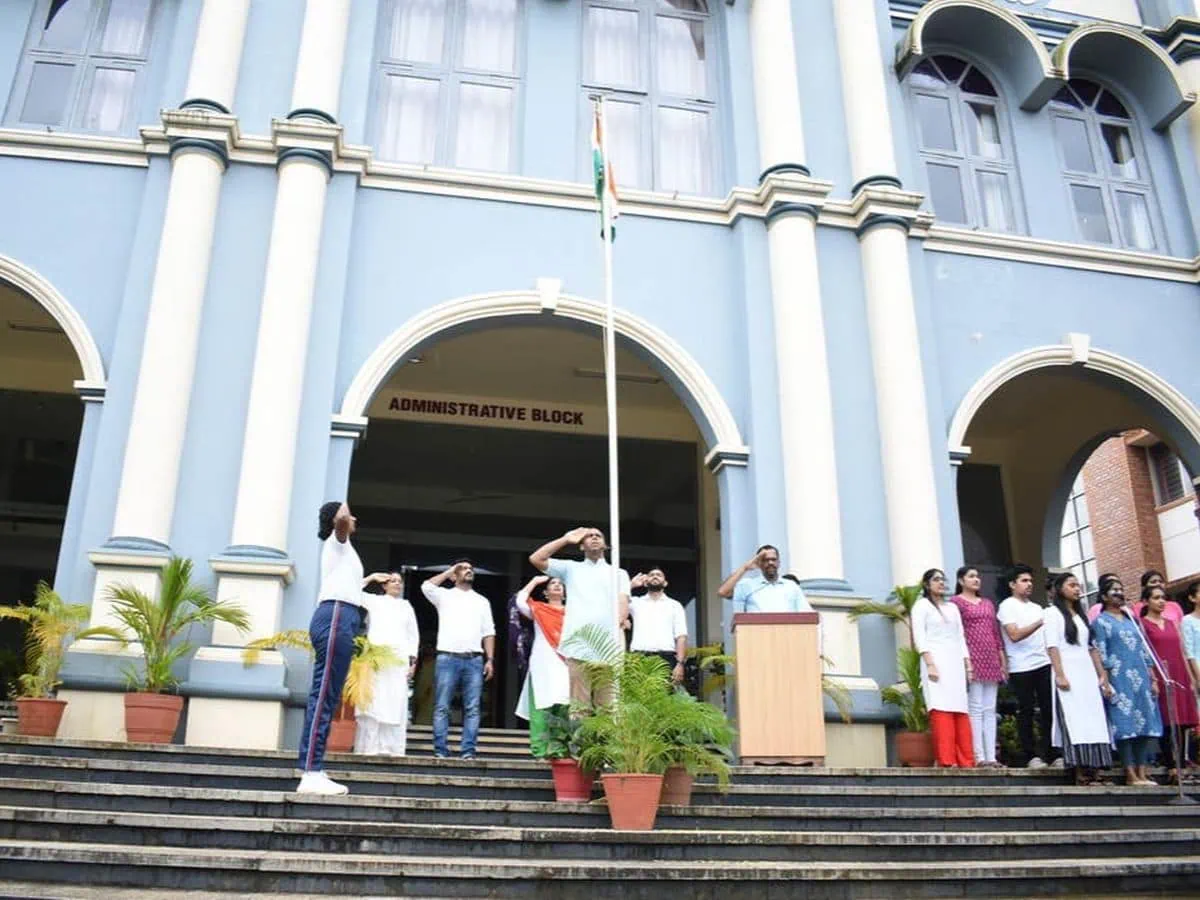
[{"x": 1130, "y": 687}]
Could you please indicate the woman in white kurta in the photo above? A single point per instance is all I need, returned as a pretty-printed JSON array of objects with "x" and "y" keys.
[
  {"x": 945, "y": 669},
  {"x": 547, "y": 687},
  {"x": 1080, "y": 725},
  {"x": 383, "y": 727}
]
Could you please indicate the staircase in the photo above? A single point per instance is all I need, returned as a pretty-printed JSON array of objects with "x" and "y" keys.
[{"x": 92, "y": 820}]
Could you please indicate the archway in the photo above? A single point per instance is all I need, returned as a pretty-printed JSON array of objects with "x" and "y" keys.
[
  {"x": 48, "y": 360},
  {"x": 487, "y": 438},
  {"x": 1025, "y": 430}
]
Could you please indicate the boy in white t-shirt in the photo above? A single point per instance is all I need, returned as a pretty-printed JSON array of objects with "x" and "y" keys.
[{"x": 1021, "y": 622}]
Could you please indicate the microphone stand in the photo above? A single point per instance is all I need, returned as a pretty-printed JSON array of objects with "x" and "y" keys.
[{"x": 1181, "y": 799}]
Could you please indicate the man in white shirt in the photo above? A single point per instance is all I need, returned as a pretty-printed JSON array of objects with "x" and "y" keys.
[
  {"x": 756, "y": 586},
  {"x": 659, "y": 623},
  {"x": 466, "y": 649},
  {"x": 590, "y": 601},
  {"x": 1021, "y": 623}
]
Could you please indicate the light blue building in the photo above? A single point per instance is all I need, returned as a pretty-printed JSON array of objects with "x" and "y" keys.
[{"x": 885, "y": 273}]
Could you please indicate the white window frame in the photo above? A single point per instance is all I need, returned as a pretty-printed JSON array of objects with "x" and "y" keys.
[
  {"x": 1078, "y": 562},
  {"x": 647, "y": 96},
  {"x": 85, "y": 63},
  {"x": 1110, "y": 185},
  {"x": 450, "y": 75},
  {"x": 963, "y": 160}
]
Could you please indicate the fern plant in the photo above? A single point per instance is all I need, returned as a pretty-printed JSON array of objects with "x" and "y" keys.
[
  {"x": 53, "y": 623},
  {"x": 368, "y": 661},
  {"x": 157, "y": 624},
  {"x": 907, "y": 696}
]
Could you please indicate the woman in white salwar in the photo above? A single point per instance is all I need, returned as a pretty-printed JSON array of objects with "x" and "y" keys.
[
  {"x": 945, "y": 670},
  {"x": 1080, "y": 724},
  {"x": 547, "y": 688},
  {"x": 383, "y": 727}
]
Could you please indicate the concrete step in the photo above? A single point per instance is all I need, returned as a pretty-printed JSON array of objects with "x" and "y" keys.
[
  {"x": 240, "y": 835},
  {"x": 181, "y": 868},
  {"x": 1053, "y": 815}
]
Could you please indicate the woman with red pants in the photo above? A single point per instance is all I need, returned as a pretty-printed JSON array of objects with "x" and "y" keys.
[{"x": 945, "y": 671}]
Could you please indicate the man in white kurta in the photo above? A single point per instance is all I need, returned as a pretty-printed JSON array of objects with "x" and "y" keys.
[{"x": 383, "y": 727}]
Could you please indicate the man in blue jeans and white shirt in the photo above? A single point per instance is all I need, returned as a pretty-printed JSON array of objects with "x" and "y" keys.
[{"x": 466, "y": 649}]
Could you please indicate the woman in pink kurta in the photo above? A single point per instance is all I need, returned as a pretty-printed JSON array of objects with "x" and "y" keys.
[
  {"x": 990, "y": 665},
  {"x": 1177, "y": 704}
]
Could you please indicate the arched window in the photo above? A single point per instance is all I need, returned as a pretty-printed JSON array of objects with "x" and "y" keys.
[
  {"x": 964, "y": 145},
  {"x": 654, "y": 61},
  {"x": 1108, "y": 181}
]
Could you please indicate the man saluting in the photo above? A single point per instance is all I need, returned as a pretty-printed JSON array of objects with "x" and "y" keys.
[{"x": 756, "y": 586}]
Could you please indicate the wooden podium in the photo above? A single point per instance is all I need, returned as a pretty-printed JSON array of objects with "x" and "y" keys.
[{"x": 780, "y": 707}]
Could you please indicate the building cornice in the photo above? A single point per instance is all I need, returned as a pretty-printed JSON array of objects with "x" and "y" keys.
[{"x": 779, "y": 192}]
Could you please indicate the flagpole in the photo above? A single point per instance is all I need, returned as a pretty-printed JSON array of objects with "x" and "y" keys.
[{"x": 610, "y": 383}]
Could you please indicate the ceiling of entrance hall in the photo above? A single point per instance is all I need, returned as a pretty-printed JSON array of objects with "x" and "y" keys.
[{"x": 34, "y": 352}]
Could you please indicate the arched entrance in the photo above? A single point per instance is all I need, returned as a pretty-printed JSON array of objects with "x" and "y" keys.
[
  {"x": 47, "y": 362},
  {"x": 486, "y": 438},
  {"x": 1024, "y": 432}
]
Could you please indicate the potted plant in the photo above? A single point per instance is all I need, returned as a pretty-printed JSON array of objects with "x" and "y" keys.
[
  {"x": 626, "y": 741},
  {"x": 151, "y": 708},
  {"x": 914, "y": 745},
  {"x": 572, "y": 783},
  {"x": 357, "y": 692},
  {"x": 53, "y": 624},
  {"x": 699, "y": 734}
]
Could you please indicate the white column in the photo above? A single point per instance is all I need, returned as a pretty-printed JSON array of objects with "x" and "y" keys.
[
  {"x": 318, "y": 79},
  {"x": 813, "y": 549},
  {"x": 217, "y": 53},
  {"x": 908, "y": 474}
]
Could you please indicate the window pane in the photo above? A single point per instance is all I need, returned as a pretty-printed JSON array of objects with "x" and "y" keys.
[
  {"x": 945, "y": 192},
  {"x": 1108, "y": 105},
  {"x": 109, "y": 101},
  {"x": 65, "y": 27},
  {"x": 1067, "y": 96},
  {"x": 1069, "y": 524},
  {"x": 1118, "y": 145},
  {"x": 699, "y": 6},
  {"x": 624, "y": 121},
  {"x": 1081, "y": 511},
  {"x": 490, "y": 35},
  {"x": 952, "y": 67},
  {"x": 925, "y": 75},
  {"x": 126, "y": 27},
  {"x": 484, "y": 127},
  {"x": 937, "y": 131},
  {"x": 1089, "y": 213},
  {"x": 1073, "y": 139},
  {"x": 976, "y": 82},
  {"x": 1087, "y": 90},
  {"x": 683, "y": 151},
  {"x": 410, "y": 117},
  {"x": 1135, "y": 220},
  {"x": 995, "y": 201},
  {"x": 1091, "y": 575},
  {"x": 985, "y": 131},
  {"x": 613, "y": 46},
  {"x": 1068, "y": 551},
  {"x": 1085, "y": 543},
  {"x": 681, "y": 56},
  {"x": 418, "y": 30},
  {"x": 48, "y": 93}
]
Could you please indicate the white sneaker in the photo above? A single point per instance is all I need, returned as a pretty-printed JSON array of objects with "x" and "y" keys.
[
  {"x": 1036, "y": 763},
  {"x": 320, "y": 783}
]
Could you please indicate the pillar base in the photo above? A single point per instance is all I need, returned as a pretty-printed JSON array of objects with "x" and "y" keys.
[
  {"x": 855, "y": 745},
  {"x": 125, "y": 561},
  {"x": 234, "y": 724},
  {"x": 254, "y": 577},
  {"x": 92, "y": 715},
  {"x": 234, "y": 704}
]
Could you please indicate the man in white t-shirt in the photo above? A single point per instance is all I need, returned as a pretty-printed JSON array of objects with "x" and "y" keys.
[
  {"x": 1021, "y": 623},
  {"x": 466, "y": 650},
  {"x": 590, "y": 601},
  {"x": 659, "y": 623}
]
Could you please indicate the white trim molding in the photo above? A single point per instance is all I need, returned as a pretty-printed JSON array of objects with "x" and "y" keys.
[
  {"x": 1073, "y": 352},
  {"x": 45, "y": 295},
  {"x": 716, "y": 419}
]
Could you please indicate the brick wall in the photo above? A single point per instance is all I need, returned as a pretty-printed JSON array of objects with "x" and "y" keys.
[{"x": 1120, "y": 500}]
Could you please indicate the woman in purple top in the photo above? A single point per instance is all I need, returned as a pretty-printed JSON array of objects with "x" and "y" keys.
[{"x": 982, "y": 632}]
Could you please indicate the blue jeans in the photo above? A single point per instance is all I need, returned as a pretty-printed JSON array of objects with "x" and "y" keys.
[
  {"x": 449, "y": 672},
  {"x": 333, "y": 628}
]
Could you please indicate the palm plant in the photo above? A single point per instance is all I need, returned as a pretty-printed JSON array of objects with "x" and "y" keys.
[
  {"x": 897, "y": 608},
  {"x": 699, "y": 734},
  {"x": 907, "y": 696},
  {"x": 368, "y": 660},
  {"x": 158, "y": 623},
  {"x": 837, "y": 693},
  {"x": 53, "y": 623}
]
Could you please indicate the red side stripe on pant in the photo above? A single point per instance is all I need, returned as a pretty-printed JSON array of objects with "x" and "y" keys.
[{"x": 312, "y": 732}]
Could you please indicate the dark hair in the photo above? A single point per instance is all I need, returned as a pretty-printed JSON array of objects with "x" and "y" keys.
[
  {"x": 1068, "y": 609},
  {"x": 1150, "y": 573},
  {"x": 1015, "y": 571},
  {"x": 961, "y": 574},
  {"x": 928, "y": 577},
  {"x": 1147, "y": 593},
  {"x": 1106, "y": 581},
  {"x": 461, "y": 560},
  {"x": 1193, "y": 589},
  {"x": 767, "y": 547},
  {"x": 325, "y": 518}
]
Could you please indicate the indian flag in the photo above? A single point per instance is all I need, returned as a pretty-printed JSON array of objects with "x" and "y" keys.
[{"x": 606, "y": 185}]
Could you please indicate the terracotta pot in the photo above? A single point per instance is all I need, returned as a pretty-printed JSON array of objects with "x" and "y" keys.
[
  {"x": 39, "y": 716},
  {"x": 152, "y": 718},
  {"x": 571, "y": 783},
  {"x": 677, "y": 787},
  {"x": 341, "y": 730},
  {"x": 914, "y": 748},
  {"x": 632, "y": 800}
]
